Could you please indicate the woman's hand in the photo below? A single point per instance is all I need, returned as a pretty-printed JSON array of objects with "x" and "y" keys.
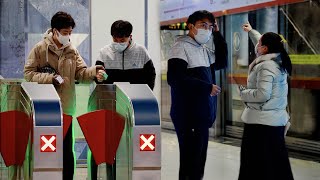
[{"x": 246, "y": 27}]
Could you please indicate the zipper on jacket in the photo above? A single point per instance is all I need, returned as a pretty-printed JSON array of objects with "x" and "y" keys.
[
  {"x": 123, "y": 60},
  {"x": 59, "y": 62}
]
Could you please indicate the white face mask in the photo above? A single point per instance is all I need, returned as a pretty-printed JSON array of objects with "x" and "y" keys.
[
  {"x": 64, "y": 40},
  {"x": 120, "y": 47},
  {"x": 256, "y": 50},
  {"x": 202, "y": 36}
]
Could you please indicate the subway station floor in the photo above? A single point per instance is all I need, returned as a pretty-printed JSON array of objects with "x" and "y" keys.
[{"x": 223, "y": 162}]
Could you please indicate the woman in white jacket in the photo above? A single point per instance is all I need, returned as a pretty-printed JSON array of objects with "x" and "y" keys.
[{"x": 264, "y": 154}]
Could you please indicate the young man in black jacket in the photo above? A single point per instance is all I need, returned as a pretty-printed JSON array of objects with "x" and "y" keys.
[
  {"x": 191, "y": 76},
  {"x": 125, "y": 60}
]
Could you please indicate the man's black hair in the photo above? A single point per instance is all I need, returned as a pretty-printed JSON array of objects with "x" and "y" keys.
[
  {"x": 121, "y": 29},
  {"x": 62, "y": 20},
  {"x": 199, "y": 15}
]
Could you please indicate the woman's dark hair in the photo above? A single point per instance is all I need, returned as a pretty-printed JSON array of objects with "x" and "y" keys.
[
  {"x": 121, "y": 29},
  {"x": 275, "y": 45},
  {"x": 62, "y": 20},
  {"x": 199, "y": 15}
]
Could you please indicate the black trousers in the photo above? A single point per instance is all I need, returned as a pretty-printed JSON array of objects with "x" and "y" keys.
[
  {"x": 110, "y": 170},
  {"x": 264, "y": 154},
  {"x": 68, "y": 156},
  {"x": 193, "y": 145}
]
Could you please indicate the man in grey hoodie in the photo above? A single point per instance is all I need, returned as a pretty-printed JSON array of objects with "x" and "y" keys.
[
  {"x": 124, "y": 61},
  {"x": 191, "y": 76},
  {"x": 55, "y": 61}
]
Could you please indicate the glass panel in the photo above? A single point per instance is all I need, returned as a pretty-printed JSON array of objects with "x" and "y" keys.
[
  {"x": 124, "y": 154},
  {"x": 3, "y": 169},
  {"x": 303, "y": 35},
  {"x": 238, "y": 56},
  {"x": 13, "y": 100},
  {"x": 241, "y": 54},
  {"x": 80, "y": 144}
]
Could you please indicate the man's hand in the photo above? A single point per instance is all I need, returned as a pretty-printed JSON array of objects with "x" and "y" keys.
[
  {"x": 101, "y": 75},
  {"x": 246, "y": 27},
  {"x": 215, "y": 90},
  {"x": 99, "y": 67},
  {"x": 215, "y": 26}
]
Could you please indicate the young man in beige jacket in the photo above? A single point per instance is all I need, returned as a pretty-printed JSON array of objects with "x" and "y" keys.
[{"x": 55, "y": 61}]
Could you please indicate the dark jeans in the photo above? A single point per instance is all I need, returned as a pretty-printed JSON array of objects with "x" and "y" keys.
[
  {"x": 68, "y": 156},
  {"x": 193, "y": 145}
]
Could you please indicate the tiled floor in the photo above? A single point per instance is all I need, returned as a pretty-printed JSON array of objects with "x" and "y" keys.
[{"x": 222, "y": 162}]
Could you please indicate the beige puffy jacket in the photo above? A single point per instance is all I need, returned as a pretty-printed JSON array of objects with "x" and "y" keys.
[{"x": 66, "y": 61}]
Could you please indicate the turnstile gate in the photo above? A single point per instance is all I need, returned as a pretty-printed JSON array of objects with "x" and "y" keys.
[
  {"x": 138, "y": 154},
  {"x": 31, "y": 132},
  {"x": 36, "y": 126}
]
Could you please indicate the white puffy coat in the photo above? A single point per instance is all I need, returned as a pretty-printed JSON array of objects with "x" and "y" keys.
[{"x": 266, "y": 93}]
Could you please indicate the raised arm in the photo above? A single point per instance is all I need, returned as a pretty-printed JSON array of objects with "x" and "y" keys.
[{"x": 253, "y": 34}]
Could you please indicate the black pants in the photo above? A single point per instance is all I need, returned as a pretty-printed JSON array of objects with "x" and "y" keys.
[
  {"x": 193, "y": 145},
  {"x": 264, "y": 154},
  {"x": 68, "y": 156},
  {"x": 111, "y": 170}
]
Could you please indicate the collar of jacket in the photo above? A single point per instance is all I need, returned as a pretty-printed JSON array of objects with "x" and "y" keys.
[
  {"x": 266, "y": 57},
  {"x": 189, "y": 40},
  {"x": 48, "y": 39}
]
